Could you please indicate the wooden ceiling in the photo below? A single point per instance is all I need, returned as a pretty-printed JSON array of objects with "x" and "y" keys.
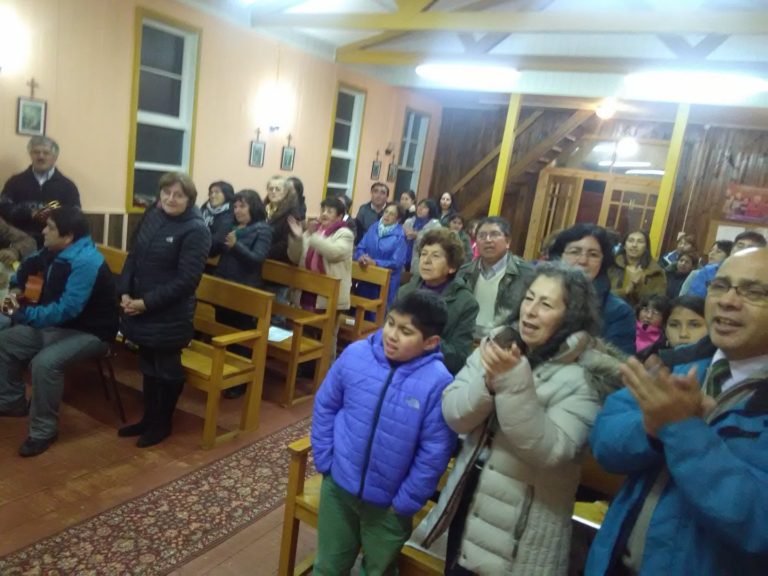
[{"x": 578, "y": 49}]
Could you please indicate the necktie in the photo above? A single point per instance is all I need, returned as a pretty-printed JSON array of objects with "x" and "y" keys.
[{"x": 719, "y": 372}]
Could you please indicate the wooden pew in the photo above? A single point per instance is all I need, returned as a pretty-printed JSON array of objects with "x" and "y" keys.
[
  {"x": 302, "y": 346},
  {"x": 353, "y": 326},
  {"x": 303, "y": 499},
  {"x": 212, "y": 369},
  {"x": 208, "y": 365}
]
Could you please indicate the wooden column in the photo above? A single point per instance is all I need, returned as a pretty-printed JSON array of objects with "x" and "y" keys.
[
  {"x": 505, "y": 155},
  {"x": 667, "y": 187}
]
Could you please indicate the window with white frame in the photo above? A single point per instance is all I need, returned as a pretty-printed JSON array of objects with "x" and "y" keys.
[
  {"x": 166, "y": 103},
  {"x": 411, "y": 151},
  {"x": 348, "y": 121}
]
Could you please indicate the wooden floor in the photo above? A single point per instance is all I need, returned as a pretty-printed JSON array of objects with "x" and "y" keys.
[{"x": 90, "y": 470}]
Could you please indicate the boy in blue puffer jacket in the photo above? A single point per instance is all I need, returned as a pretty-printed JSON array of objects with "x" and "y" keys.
[{"x": 379, "y": 438}]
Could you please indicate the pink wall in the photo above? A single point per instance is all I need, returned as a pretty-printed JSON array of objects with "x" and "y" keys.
[{"x": 82, "y": 56}]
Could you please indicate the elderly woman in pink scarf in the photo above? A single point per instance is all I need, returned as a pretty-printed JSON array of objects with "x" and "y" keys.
[{"x": 325, "y": 247}]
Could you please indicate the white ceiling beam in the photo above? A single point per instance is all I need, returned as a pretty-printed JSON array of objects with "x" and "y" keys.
[
  {"x": 643, "y": 22},
  {"x": 551, "y": 63}
]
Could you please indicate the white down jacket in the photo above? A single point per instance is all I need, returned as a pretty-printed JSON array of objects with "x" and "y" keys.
[{"x": 536, "y": 425}]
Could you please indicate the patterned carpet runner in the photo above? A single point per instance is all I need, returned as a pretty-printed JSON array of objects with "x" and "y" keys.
[{"x": 169, "y": 526}]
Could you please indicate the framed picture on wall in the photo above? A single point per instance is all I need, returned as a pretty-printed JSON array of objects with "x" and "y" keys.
[
  {"x": 31, "y": 117},
  {"x": 256, "y": 158},
  {"x": 376, "y": 170},
  {"x": 743, "y": 203},
  {"x": 287, "y": 158},
  {"x": 392, "y": 172}
]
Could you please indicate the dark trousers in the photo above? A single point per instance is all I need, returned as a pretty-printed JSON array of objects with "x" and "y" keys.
[{"x": 163, "y": 382}]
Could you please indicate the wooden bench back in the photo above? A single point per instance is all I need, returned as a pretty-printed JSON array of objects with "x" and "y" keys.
[
  {"x": 234, "y": 296},
  {"x": 301, "y": 279},
  {"x": 373, "y": 275}
]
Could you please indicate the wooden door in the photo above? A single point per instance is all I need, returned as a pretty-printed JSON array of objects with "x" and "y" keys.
[
  {"x": 554, "y": 207},
  {"x": 629, "y": 203}
]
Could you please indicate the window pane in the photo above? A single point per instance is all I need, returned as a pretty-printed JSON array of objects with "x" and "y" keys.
[
  {"x": 341, "y": 134},
  {"x": 415, "y": 127},
  {"x": 335, "y": 192},
  {"x": 339, "y": 171},
  {"x": 159, "y": 94},
  {"x": 412, "y": 156},
  {"x": 145, "y": 186},
  {"x": 159, "y": 145},
  {"x": 345, "y": 106},
  {"x": 161, "y": 50}
]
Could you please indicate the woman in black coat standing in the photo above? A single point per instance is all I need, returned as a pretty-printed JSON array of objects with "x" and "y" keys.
[
  {"x": 157, "y": 291},
  {"x": 246, "y": 248}
]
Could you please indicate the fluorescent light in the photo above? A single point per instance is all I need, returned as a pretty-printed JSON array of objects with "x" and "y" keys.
[
  {"x": 627, "y": 147},
  {"x": 690, "y": 86},
  {"x": 470, "y": 76},
  {"x": 644, "y": 172},
  {"x": 623, "y": 164}
]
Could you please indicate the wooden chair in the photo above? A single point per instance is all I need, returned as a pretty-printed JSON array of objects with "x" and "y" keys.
[
  {"x": 212, "y": 369},
  {"x": 302, "y": 346},
  {"x": 109, "y": 382},
  {"x": 301, "y": 505},
  {"x": 114, "y": 257},
  {"x": 354, "y": 326}
]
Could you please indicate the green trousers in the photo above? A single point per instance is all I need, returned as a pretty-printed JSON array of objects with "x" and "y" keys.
[{"x": 345, "y": 524}]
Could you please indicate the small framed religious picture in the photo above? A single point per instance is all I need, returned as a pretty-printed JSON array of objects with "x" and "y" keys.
[
  {"x": 376, "y": 170},
  {"x": 286, "y": 160},
  {"x": 392, "y": 172},
  {"x": 31, "y": 117},
  {"x": 256, "y": 158}
]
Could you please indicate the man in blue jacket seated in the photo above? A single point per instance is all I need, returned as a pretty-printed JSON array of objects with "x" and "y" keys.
[
  {"x": 75, "y": 317},
  {"x": 696, "y": 500},
  {"x": 379, "y": 438}
]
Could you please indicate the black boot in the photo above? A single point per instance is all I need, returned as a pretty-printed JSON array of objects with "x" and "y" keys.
[
  {"x": 150, "y": 401},
  {"x": 160, "y": 427}
]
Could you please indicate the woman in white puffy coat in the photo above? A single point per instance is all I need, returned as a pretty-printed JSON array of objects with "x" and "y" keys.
[{"x": 508, "y": 502}]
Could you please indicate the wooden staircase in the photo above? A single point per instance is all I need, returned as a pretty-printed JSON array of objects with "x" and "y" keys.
[{"x": 562, "y": 139}]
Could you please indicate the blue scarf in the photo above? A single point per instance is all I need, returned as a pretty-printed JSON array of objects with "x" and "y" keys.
[{"x": 385, "y": 229}]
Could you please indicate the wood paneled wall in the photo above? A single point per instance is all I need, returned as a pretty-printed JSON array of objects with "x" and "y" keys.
[
  {"x": 727, "y": 155},
  {"x": 711, "y": 159},
  {"x": 466, "y": 136}
]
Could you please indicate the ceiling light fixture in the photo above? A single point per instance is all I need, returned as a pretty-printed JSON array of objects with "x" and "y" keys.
[
  {"x": 482, "y": 77},
  {"x": 692, "y": 86},
  {"x": 606, "y": 109}
]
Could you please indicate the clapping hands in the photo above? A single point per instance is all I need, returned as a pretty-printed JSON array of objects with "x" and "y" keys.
[
  {"x": 497, "y": 360},
  {"x": 663, "y": 397}
]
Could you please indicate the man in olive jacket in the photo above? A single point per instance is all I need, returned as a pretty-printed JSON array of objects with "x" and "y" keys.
[{"x": 497, "y": 278}]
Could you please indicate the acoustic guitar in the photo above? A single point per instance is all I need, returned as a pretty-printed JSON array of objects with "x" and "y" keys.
[{"x": 33, "y": 289}]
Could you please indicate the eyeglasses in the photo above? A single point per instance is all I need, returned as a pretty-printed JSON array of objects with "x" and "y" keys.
[
  {"x": 752, "y": 292},
  {"x": 652, "y": 312},
  {"x": 492, "y": 235},
  {"x": 579, "y": 252}
]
